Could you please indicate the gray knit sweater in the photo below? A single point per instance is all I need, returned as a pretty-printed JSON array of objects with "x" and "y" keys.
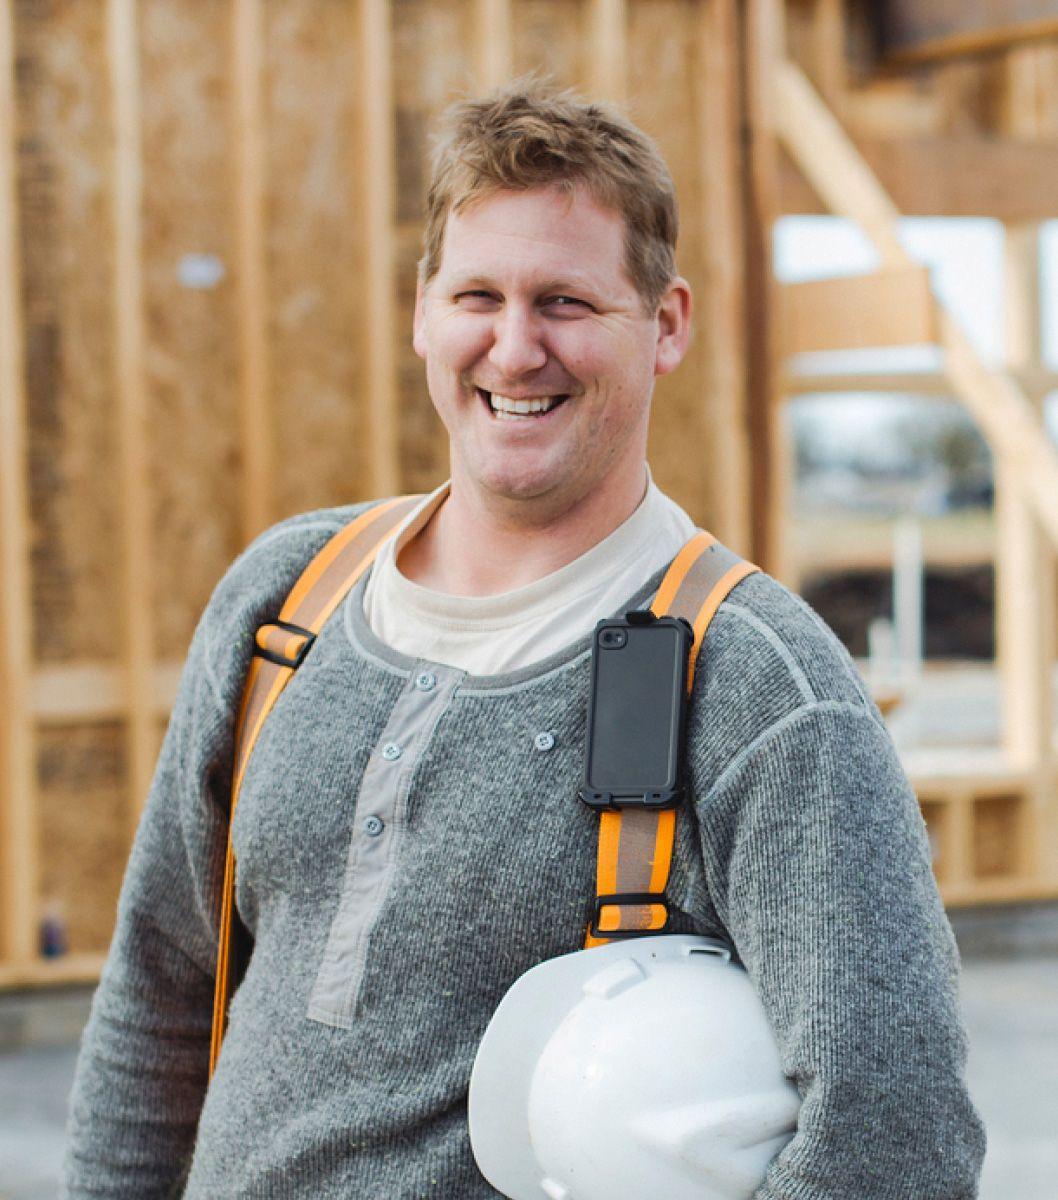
[{"x": 407, "y": 848}]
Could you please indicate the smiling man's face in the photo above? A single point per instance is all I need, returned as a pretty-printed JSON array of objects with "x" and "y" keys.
[{"x": 540, "y": 357}]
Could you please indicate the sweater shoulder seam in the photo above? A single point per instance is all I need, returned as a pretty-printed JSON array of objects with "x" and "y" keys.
[
  {"x": 793, "y": 667},
  {"x": 775, "y": 729}
]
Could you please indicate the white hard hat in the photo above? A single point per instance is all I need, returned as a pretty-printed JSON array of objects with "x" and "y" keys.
[{"x": 641, "y": 1068}]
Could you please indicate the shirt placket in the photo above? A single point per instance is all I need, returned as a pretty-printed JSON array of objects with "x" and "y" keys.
[{"x": 379, "y": 825}]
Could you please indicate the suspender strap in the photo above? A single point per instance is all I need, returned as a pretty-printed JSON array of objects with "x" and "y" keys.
[
  {"x": 280, "y": 647},
  {"x": 635, "y": 844}
]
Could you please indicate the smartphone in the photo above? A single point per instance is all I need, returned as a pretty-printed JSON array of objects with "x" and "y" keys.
[{"x": 636, "y": 711}]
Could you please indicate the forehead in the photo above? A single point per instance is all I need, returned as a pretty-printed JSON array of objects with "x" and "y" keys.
[{"x": 543, "y": 232}]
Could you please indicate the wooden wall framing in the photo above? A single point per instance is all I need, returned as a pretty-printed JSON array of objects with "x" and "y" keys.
[
  {"x": 210, "y": 217},
  {"x": 216, "y": 207}
]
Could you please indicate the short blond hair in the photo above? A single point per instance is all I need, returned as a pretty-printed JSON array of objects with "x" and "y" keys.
[{"x": 530, "y": 135}]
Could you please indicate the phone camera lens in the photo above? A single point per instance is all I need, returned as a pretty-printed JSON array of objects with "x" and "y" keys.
[{"x": 613, "y": 639}]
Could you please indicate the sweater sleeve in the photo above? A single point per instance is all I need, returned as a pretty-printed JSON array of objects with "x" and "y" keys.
[
  {"x": 142, "y": 1073},
  {"x": 820, "y": 869}
]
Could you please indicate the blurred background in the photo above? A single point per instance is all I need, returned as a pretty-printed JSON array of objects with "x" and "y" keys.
[{"x": 210, "y": 215}]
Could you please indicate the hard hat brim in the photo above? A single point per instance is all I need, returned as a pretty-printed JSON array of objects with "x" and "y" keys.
[{"x": 516, "y": 1037}]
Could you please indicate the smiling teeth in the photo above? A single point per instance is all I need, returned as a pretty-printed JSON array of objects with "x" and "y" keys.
[{"x": 504, "y": 405}]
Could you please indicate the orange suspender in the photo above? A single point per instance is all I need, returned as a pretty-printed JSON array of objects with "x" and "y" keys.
[
  {"x": 278, "y": 653},
  {"x": 635, "y": 844}
]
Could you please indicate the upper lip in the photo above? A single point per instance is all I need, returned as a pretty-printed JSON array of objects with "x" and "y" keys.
[{"x": 537, "y": 395}]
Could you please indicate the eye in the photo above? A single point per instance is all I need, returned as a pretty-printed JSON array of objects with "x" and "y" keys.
[
  {"x": 475, "y": 295},
  {"x": 568, "y": 302},
  {"x": 476, "y": 300}
]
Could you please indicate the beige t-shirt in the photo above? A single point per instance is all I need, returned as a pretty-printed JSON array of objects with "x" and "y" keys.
[{"x": 490, "y": 635}]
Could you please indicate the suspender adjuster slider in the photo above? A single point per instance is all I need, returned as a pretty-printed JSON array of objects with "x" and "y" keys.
[
  {"x": 283, "y": 643},
  {"x": 652, "y": 900}
]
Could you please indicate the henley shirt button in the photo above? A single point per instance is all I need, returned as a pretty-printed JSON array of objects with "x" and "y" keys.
[
  {"x": 391, "y": 752},
  {"x": 426, "y": 682},
  {"x": 373, "y": 826},
  {"x": 544, "y": 741}
]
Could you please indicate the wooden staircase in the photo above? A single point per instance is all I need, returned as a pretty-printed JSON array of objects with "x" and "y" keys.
[{"x": 992, "y": 816}]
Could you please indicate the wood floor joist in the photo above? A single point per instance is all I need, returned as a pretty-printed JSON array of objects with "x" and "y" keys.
[{"x": 858, "y": 312}]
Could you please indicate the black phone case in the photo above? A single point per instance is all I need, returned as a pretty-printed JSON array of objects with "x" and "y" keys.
[{"x": 636, "y": 712}]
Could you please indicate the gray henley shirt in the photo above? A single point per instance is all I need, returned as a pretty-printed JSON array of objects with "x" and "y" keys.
[{"x": 408, "y": 845}]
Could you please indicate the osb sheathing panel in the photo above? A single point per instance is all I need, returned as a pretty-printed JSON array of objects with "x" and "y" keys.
[
  {"x": 550, "y": 37},
  {"x": 81, "y": 786},
  {"x": 661, "y": 45},
  {"x": 65, "y": 165},
  {"x": 315, "y": 253},
  {"x": 432, "y": 65},
  {"x": 191, "y": 336}
]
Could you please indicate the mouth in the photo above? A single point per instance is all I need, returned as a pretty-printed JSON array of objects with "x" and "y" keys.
[{"x": 504, "y": 408}]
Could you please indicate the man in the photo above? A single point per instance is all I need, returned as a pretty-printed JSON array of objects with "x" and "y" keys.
[{"x": 408, "y": 839}]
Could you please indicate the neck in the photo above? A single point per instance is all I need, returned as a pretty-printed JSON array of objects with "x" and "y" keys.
[{"x": 475, "y": 548}]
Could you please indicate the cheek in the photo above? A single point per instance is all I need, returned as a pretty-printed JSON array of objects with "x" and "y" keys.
[
  {"x": 459, "y": 341},
  {"x": 621, "y": 366}
]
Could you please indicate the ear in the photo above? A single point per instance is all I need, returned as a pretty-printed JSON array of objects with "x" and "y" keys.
[
  {"x": 418, "y": 339},
  {"x": 674, "y": 327}
]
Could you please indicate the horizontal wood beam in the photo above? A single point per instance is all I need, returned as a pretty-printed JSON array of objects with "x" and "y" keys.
[
  {"x": 96, "y": 691},
  {"x": 823, "y": 544},
  {"x": 911, "y": 383},
  {"x": 51, "y": 972},
  {"x": 910, "y": 31},
  {"x": 956, "y": 176},
  {"x": 1036, "y": 383},
  {"x": 857, "y": 312}
]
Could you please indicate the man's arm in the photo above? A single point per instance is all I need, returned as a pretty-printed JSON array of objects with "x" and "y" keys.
[
  {"x": 819, "y": 866},
  {"x": 142, "y": 1073}
]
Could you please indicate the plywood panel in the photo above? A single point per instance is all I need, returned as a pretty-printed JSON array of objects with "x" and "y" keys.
[
  {"x": 658, "y": 47},
  {"x": 315, "y": 252},
  {"x": 81, "y": 781},
  {"x": 67, "y": 266},
  {"x": 551, "y": 37},
  {"x": 434, "y": 63},
  {"x": 190, "y": 319}
]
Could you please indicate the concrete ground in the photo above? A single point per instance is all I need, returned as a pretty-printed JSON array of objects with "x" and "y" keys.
[{"x": 1011, "y": 1007}]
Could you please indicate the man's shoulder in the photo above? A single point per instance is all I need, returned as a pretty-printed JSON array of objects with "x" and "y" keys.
[
  {"x": 767, "y": 656},
  {"x": 253, "y": 589}
]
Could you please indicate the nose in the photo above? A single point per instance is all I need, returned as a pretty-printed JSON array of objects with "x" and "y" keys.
[{"x": 517, "y": 346}]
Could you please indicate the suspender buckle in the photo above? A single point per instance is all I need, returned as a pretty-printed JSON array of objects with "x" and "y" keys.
[
  {"x": 627, "y": 900},
  {"x": 283, "y": 643}
]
